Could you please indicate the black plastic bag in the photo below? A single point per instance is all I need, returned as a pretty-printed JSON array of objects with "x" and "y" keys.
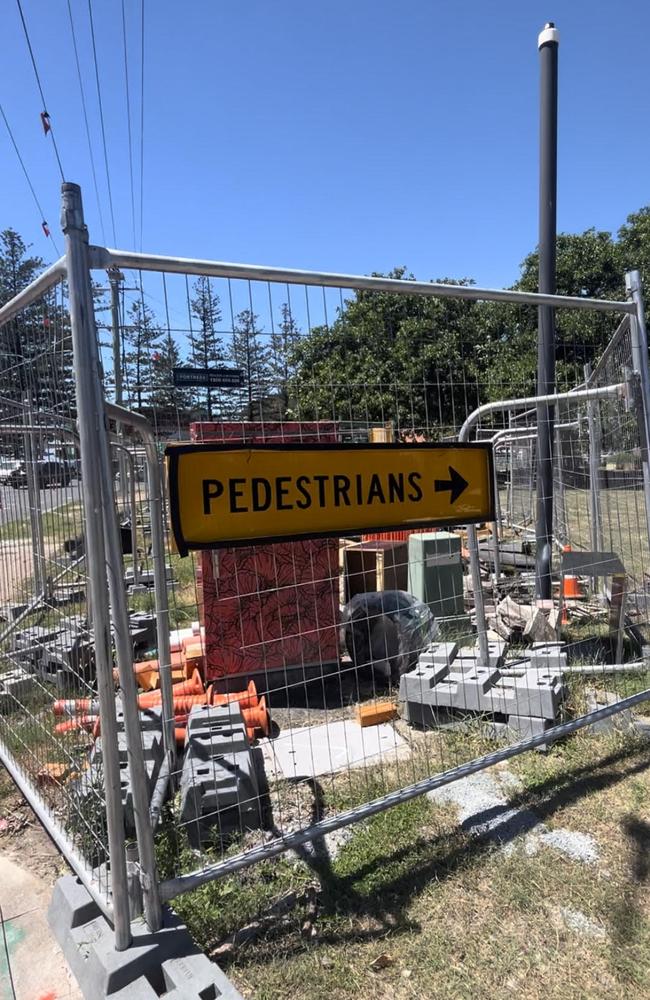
[{"x": 387, "y": 631}]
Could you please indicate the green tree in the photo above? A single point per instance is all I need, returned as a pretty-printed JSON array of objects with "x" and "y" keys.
[
  {"x": 428, "y": 362},
  {"x": 388, "y": 356},
  {"x": 282, "y": 357},
  {"x": 206, "y": 346},
  {"x": 35, "y": 346},
  {"x": 169, "y": 403},
  {"x": 142, "y": 337},
  {"x": 249, "y": 352}
]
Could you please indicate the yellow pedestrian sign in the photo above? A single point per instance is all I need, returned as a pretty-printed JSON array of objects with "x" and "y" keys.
[{"x": 223, "y": 495}]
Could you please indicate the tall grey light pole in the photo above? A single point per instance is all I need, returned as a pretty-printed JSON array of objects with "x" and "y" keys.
[{"x": 548, "y": 44}]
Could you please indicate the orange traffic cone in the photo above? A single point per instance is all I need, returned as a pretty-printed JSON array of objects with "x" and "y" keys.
[{"x": 572, "y": 589}]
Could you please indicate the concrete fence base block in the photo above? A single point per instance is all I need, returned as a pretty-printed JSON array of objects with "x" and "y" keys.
[{"x": 166, "y": 964}]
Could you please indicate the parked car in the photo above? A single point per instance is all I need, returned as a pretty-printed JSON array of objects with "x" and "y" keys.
[
  {"x": 49, "y": 472},
  {"x": 7, "y": 466}
]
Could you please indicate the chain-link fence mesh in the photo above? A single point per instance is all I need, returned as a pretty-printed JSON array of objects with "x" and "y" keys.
[
  {"x": 315, "y": 676},
  {"x": 46, "y": 629}
]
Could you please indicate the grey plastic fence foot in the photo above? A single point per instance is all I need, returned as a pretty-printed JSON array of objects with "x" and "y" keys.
[{"x": 165, "y": 964}]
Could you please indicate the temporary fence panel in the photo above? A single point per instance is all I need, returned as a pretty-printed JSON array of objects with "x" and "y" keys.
[
  {"x": 323, "y": 628},
  {"x": 48, "y": 644},
  {"x": 324, "y": 679}
]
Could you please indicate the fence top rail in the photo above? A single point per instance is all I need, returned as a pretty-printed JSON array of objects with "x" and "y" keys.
[
  {"x": 33, "y": 291},
  {"x": 505, "y": 405},
  {"x": 102, "y": 258}
]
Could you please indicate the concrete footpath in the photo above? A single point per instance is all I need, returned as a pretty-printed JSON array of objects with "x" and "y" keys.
[{"x": 32, "y": 966}]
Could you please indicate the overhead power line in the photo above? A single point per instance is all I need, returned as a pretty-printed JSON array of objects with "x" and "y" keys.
[
  {"x": 141, "y": 119},
  {"x": 128, "y": 117},
  {"x": 85, "y": 114},
  {"x": 44, "y": 225},
  {"x": 101, "y": 119},
  {"x": 45, "y": 118}
]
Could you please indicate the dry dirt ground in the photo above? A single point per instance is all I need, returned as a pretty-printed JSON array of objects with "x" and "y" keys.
[
  {"x": 31, "y": 964},
  {"x": 16, "y": 566}
]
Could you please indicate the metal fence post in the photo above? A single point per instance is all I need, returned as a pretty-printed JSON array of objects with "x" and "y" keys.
[
  {"x": 91, "y": 425},
  {"x": 639, "y": 341},
  {"x": 595, "y": 510},
  {"x": 35, "y": 508},
  {"x": 156, "y": 508}
]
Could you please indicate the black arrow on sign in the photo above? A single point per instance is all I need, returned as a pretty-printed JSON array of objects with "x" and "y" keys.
[{"x": 454, "y": 485}]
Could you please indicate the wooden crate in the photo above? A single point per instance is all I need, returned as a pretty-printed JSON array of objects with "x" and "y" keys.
[{"x": 373, "y": 566}]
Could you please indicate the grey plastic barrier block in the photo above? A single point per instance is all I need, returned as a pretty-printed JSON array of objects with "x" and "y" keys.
[
  {"x": 216, "y": 730},
  {"x": 417, "y": 683},
  {"x": 438, "y": 653},
  {"x": 153, "y": 759},
  {"x": 150, "y": 718},
  {"x": 496, "y": 653},
  {"x": 469, "y": 690},
  {"x": 15, "y": 685},
  {"x": 464, "y": 686},
  {"x": 548, "y": 656},
  {"x": 219, "y": 796},
  {"x": 71, "y": 903},
  {"x": 531, "y": 693},
  {"x": 150, "y": 740},
  {"x": 220, "y": 791},
  {"x": 165, "y": 964}
]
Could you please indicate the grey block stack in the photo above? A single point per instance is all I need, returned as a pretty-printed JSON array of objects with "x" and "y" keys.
[
  {"x": 220, "y": 780},
  {"x": 445, "y": 678}
]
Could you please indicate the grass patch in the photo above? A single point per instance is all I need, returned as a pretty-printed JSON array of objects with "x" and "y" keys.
[
  {"x": 449, "y": 916},
  {"x": 59, "y": 523}
]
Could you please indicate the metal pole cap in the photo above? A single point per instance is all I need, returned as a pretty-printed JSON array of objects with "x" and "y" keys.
[{"x": 549, "y": 36}]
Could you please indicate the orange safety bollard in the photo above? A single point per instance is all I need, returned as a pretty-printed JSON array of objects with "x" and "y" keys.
[
  {"x": 246, "y": 699},
  {"x": 75, "y": 706},
  {"x": 257, "y": 718},
  {"x": 192, "y": 686},
  {"x": 186, "y": 703},
  {"x": 86, "y": 722}
]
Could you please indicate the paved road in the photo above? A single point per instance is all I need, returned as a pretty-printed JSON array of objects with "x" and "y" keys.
[{"x": 15, "y": 503}]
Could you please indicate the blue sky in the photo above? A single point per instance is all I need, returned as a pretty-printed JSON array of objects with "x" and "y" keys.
[{"x": 342, "y": 136}]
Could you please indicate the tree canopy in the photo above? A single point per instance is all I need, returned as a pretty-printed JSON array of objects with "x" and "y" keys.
[{"x": 421, "y": 362}]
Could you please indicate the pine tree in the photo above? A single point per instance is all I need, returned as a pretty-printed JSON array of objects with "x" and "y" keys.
[
  {"x": 206, "y": 346},
  {"x": 282, "y": 366},
  {"x": 169, "y": 403},
  {"x": 249, "y": 353},
  {"x": 36, "y": 346},
  {"x": 142, "y": 336}
]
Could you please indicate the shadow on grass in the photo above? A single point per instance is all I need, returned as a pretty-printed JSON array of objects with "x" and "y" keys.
[
  {"x": 628, "y": 927},
  {"x": 383, "y": 907}
]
